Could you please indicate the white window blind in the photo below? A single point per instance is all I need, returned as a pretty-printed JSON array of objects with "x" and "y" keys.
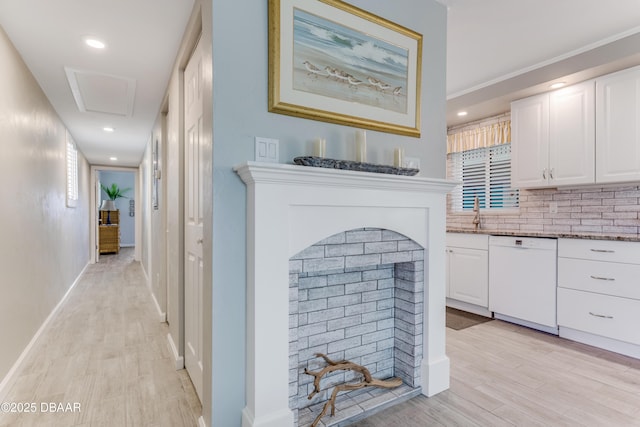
[
  {"x": 486, "y": 173},
  {"x": 72, "y": 173}
]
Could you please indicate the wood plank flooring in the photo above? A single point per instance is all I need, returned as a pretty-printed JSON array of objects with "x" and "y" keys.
[
  {"x": 507, "y": 375},
  {"x": 106, "y": 351}
]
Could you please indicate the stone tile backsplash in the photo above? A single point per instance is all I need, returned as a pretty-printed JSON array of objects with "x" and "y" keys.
[{"x": 607, "y": 211}]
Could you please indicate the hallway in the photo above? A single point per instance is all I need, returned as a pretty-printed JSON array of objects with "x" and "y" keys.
[{"x": 105, "y": 352}]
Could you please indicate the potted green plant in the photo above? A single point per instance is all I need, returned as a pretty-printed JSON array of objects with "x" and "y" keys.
[{"x": 114, "y": 192}]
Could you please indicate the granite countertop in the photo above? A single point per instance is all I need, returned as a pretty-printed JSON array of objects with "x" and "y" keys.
[{"x": 624, "y": 238}]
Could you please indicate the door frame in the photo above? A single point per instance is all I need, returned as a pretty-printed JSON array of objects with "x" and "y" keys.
[{"x": 94, "y": 207}]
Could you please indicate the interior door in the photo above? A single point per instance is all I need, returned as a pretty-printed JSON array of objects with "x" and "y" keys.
[
  {"x": 193, "y": 220},
  {"x": 96, "y": 229}
]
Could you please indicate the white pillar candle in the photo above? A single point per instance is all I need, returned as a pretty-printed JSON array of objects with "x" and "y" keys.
[
  {"x": 398, "y": 157},
  {"x": 320, "y": 147},
  {"x": 361, "y": 146}
]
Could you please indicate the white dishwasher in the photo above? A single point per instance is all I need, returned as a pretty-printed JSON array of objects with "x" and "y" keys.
[{"x": 522, "y": 281}]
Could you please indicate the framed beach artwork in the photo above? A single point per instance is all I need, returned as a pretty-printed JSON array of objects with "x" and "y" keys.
[{"x": 334, "y": 62}]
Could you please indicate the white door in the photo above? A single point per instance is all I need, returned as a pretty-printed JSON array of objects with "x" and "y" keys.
[
  {"x": 193, "y": 334},
  {"x": 530, "y": 142},
  {"x": 96, "y": 230},
  {"x": 618, "y": 127},
  {"x": 572, "y": 135}
]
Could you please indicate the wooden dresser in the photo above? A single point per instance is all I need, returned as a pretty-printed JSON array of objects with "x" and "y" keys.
[{"x": 109, "y": 234}]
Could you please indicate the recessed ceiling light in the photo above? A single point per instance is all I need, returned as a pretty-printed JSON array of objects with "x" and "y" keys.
[
  {"x": 95, "y": 43},
  {"x": 108, "y": 129},
  {"x": 462, "y": 113},
  {"x": 557, "y": 85},
  {"x": 113, "y": 159}
]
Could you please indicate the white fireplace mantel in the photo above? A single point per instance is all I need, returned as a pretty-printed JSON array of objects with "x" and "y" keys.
[{"x": 292, "y": 207}]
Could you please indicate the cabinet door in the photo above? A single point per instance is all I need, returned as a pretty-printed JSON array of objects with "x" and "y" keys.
[
  {"x": 469, "y": 276},
  {"x": 572, "y": 135},
  {"x": 618, "y": 127},
  {"x": 530, "y": 142}
]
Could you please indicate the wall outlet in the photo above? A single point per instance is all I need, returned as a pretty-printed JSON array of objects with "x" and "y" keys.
[
  {"x": 267, "y": 150},
  {"x": 553, "y": 207}
]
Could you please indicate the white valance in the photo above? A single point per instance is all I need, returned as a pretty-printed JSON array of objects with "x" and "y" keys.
[{"x": 481, "y": 134}]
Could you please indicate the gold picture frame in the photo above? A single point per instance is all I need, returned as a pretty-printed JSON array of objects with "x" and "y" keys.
[{"x": 333, "y": 62}]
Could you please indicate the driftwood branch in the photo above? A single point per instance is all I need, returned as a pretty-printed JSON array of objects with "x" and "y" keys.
[{"x": 344, "y": 365}]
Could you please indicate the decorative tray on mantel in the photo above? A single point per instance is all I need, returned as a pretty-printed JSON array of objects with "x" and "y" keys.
[{"x": 321, "y": 162}]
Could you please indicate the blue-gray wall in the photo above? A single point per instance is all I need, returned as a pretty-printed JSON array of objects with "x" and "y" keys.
[
  {"x": 240, "y": 62},
  {"x": 127, "y": 223}
]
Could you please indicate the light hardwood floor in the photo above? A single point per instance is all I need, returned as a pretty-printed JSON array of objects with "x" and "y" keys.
[
  {"x": 106, "y": 350},
  {"x": 506, "y": 375}
]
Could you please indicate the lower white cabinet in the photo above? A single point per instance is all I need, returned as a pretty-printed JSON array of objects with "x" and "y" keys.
[
  {"x": 468, "y": 270},
  {"x": 599, "y": 293},
  {"x": 603, "y": 315}
]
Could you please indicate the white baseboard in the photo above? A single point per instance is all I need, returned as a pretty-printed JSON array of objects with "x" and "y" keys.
[
  {"x": 609, "y": 344},
  {"x": 471, "y": 308},
  {"x": 526, "y": 323},
  {"x": 162, "y": 316},
  {"x": 179, "y": 360},
  {"x": 435, "y": 376},
  {"x": 9, "y": 380},
  {"x": 279, "y": 418}
]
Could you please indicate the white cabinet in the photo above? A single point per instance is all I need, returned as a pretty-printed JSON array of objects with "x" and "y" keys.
[
  {"x": 468, "y": 270},
  {"x": 618, "y": 126},
  {"x": 572, "y": 135},
  {"x": 530, "y": 142},
  {"x": 599, "y": 293},
  {"x": 553, "y": 138}
]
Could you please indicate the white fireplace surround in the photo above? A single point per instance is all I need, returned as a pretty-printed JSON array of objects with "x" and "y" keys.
[{"x": 292, "y": 207}]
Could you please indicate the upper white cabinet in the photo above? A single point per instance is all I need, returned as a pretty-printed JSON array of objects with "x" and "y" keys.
[
  {"x": 553, "y": 138},
  {"x": 530, "y": 142},
  {"x": 572, "y": 135},
  {"x": 618, "y": 126}
]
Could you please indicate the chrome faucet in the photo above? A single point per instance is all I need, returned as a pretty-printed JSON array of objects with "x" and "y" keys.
[{"x": 476, "y": 210}]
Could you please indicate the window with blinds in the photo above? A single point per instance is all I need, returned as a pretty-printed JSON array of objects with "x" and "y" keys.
[
  {"x": 486, "y": 173},
  {"x": 72, "y": 173}
]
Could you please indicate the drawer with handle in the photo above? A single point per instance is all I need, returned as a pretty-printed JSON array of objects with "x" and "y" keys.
[
  {"x": 600, "y": 250},
  {"x": 609, "y": 278},
  {"x": 612, "y": 317}
]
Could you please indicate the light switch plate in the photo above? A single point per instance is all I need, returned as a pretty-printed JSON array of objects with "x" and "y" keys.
[{"x": 267, "y": 150}]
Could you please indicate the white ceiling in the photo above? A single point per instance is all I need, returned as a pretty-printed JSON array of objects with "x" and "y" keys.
[
  {"x": 498, "y": 50},
  {"x": 121, "y": 86}
]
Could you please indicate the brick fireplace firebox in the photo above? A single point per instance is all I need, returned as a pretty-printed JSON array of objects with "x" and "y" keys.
[
  {"x": 357, "y": 295},
  {"x": 290, "y": 208}
]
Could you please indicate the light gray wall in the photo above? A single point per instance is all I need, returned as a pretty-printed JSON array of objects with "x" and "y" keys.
[
  {"x": 127, "y": 223},
  {"x": 44, "y": 245},
  {"x": 157, "y": 228},
  {"x": 240, "y": 56}
]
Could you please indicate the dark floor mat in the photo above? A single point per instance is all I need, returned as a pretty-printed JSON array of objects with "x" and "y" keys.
[{"x": 458, "y": 319}]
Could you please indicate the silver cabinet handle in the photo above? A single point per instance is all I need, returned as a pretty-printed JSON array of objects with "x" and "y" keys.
[
  {"x": 602, "y": 316},
  {"x": 551, "y": 173},
  {"x": 609, "y": 279},
  {"x": 604, "y": 251},
  {"x": 544, "y": 173}
]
